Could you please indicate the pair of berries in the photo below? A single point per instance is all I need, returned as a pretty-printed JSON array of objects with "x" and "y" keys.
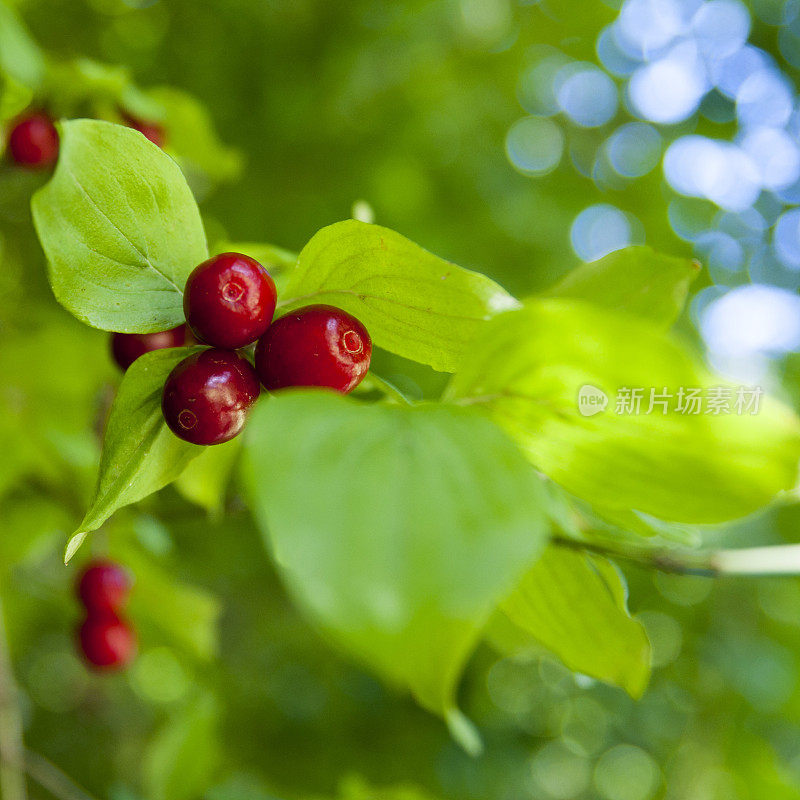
[
  {"x": 107, "y": 641},
  {"x": 229, "y": 303},
  {"x": 33, "y": 141}
]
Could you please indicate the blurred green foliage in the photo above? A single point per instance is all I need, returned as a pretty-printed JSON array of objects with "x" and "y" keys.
[{"x": 404, "y": 105}]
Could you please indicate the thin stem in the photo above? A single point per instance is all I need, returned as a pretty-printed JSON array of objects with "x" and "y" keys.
[
  {"x": 50, "y": 777},
  {"x": 12, "y": 776},
  {"x": 750, "y": 561}
]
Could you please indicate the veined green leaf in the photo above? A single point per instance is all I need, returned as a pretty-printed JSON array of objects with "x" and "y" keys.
[
  {"x": 421, "y": 519},
  {"x": 636, "y": 280},
  {"x": 140, "y": 453},
  {"x": 412, "y": 302},
  {"x": 529, "y": 367},
  {"x": 575, "y": 606},
  {"x": 120, "y": 229}
]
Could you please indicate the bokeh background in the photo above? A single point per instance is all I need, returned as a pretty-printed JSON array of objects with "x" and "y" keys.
[{"x": 512, "y": 136}]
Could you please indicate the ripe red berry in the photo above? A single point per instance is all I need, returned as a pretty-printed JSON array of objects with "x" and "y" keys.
[
  {"x": 104, "y": 587},
  {"x": 127, "y": 347},
  {"x": 107, "y": 642},
  {"x": 208, "y": 395},
  {"x": 150, "y": 130},
  {"x": 34, "y": 141},
  {"x": 314, "y": 346},
  {"x": 229, "y": 300}
]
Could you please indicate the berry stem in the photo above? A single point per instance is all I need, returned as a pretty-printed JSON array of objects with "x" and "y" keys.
[
  {"x": 12, "y": 775},
  {"x": 754, "y": 562}
]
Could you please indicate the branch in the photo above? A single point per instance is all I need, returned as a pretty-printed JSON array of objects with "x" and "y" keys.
[
  {"x": 781, "y": 559},
  {"x": 12, "y": 776},
  {"x": 50, "y": 777}
]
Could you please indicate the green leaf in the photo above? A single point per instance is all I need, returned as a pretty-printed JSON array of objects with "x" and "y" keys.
[
  {"x": 192, "y": 138},
  {"x": 636, "y": 280},
  {"x": 20, "y": 56},
  {"x": 205, "y": 481},
  {"x": 527, "y": 371},
  {"x": 181, "y": 761},
  {"x": 412, "y": 302},
  {"x": 575, "y": 606},
  {"x": 140, "y": 453},
  {"x": 398, "y": 528},
  {"x": 120, "y": 229}
]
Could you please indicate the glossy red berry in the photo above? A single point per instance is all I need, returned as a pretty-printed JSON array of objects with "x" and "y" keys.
[
  {"x": 104, "y": 587},
  {"x": 107, "y": 642},
  {"x": 150, "y": 130},
  {"x": 229, "y": 300},
  {"x": 314, "y": 346},
  {"x": 33, "y": 141},
  {"x": 127, "y": 347},
  {"x": 208, "y": 395}
]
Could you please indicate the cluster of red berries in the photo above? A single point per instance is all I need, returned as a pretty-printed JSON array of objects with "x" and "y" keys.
[
  {"x": 107, "y": 641},
  {"x": 33, "y": 141},
  {"x": 229, "y": 303}
]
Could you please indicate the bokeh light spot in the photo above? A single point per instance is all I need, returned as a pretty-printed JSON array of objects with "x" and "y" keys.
[
  {"x": 599, "y": 230},
  {"x": 535, "y": 146}
]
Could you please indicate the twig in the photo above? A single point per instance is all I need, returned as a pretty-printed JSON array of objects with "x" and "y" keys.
[
  {"x": 750, "y": 561},
  {"x": 50, "y": 777},
  {"x": 12, "y": 775}
]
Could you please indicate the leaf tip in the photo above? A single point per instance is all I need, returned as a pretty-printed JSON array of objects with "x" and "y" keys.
[
  {"x": 464, "y": 732},
  {"x": 72, "y": 546}
]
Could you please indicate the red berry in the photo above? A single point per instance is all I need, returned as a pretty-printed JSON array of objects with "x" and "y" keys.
[
  {"x": 150, "y": 130},
  {"x": 229, "y": 300},
  {"x": 127, "y": 347},
  {"x": 208, "y": 395},
  {"x": 314, "y": 346},
  {"x": 34, "y": 141},
  {"x": 107, "y": 642},
  {"x": 104, "y": 587}
]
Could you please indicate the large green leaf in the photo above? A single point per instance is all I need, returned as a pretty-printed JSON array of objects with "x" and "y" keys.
[
  {"x": 636, "y": 280},
  {"x": 140, "y": 453},
  {"x": 412, "y": 302},
  {"x": 527, "y": 371},
  {"x": 575, "y": 606},
  {"x": 399, "y": 528},
  {"x": 120, "y": 229}
]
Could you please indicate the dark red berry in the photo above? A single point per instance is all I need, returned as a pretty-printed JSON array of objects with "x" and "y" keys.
[
  {"x": 107, "y": 642},
  {"x": 34, "y": 141},
  {"x": 208, "y": 395},
  {"x": 314, "y": 346},
  {"x": 104, "y": 587},
  {"x": 229, "y": 300},
  {"x": 127, "y": 347},
  {"x": 150, "y": 130}
]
